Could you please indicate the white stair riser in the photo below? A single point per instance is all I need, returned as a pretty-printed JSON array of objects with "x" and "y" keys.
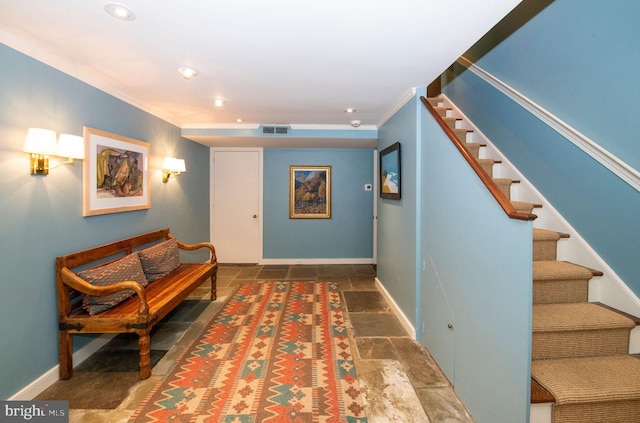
[
  {"x": 634, "y": 341},
  {"x": 541, "y": 413}
]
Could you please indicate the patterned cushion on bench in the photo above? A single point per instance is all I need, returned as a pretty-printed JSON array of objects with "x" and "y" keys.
[
  {"x": 159, "y": 260},
  {"x": 128, "y": 268}
]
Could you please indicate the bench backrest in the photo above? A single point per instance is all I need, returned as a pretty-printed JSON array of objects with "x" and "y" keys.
[{"x": 69, "y": 299}]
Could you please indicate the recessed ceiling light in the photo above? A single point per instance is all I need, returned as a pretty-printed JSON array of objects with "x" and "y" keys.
[
  {"x": 187, "y": 72},
  {"x": 119, "y": 11},
  {"x": 218, "y": 103},
  {"x": 350, "y": 110},
  {"x": 239, "y": 120}
]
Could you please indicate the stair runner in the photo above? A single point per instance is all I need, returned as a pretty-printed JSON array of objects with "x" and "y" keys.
[{"x": 579, "y": 349}]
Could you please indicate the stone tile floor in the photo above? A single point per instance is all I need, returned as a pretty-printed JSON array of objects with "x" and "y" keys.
[{"x": 399, "y": 379}]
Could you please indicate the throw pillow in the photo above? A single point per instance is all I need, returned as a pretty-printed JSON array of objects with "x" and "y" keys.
[
  {"x": 159, "y": 260},
  {"x": 128, "y": 268}
]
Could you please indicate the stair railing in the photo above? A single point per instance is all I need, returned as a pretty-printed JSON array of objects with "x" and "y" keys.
[{"x": 502, "y": 200}]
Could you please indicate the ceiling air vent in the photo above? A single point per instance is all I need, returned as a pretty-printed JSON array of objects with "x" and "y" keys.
[{"x": 275, "y": 130}]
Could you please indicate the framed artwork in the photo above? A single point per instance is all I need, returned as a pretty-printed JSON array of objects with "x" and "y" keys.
[
  {"x": 390, "y": 172},
  {"x": 115, "y": 176},
  {"x": 310, "y": 192}
]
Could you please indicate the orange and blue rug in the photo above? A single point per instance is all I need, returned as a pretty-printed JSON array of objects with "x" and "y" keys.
[{"x": 276, "y": 352}]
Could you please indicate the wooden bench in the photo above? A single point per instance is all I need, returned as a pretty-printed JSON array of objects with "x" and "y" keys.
[{"x": 137, "y": 314}]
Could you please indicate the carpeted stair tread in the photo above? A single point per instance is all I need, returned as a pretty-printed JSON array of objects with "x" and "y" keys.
[
  {"x": 578, "y": 330},
  {"x": 451, "y": 121},
  {"x": 442, "y": 110},
  {"x": 559, "y": 281},
  {"x": 473, "y": 148},
  {"x": 461, "y": 133},
  {"x": 540, "y": 234},
  {"x": 487, "y": 165},
  {"x": 576, "y": 317},
  {"x": 591, "y": 379},
  {"x": 545, "y": 244},
  {"x": 504, "y": 185},
  {"x": 523, "y": 206},
  {"x": 434, "y": 101},
  {"x": 559, "y": 270}
]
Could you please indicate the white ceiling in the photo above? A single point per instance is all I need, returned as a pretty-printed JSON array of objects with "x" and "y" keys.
[{"x": 271, "y": 61}]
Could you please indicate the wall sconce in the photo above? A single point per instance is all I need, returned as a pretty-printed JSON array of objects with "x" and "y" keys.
[
  {"x": 41, "y": 143},
  {"x": 172, "y": 166},
  {"x": 71, "y": 146}
]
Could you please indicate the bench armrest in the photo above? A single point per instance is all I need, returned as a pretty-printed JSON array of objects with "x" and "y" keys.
[
  {"x": 73, "y": 281},
  {"x": 199, "y": 245}
]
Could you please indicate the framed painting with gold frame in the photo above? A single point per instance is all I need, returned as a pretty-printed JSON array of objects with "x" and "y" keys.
[
  {"x": 115, "y": 173},
  {"x": 310, "y": 192}
]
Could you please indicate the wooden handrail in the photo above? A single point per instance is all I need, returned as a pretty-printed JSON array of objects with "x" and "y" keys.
[{"x": 502, "y": 200}]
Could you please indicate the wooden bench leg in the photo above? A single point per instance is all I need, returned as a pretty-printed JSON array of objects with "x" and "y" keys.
[
  {"x": 144, "y": 343},
  {"x": 214, "y": 277},
  {"x": 66, "y": 354}
]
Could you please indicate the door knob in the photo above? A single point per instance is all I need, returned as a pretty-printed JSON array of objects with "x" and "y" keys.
[{"x": 255, "y": 216}]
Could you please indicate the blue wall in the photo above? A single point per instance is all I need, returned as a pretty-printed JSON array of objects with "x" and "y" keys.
[
  {"x": 42, "y": 215},
  {"x": 431, "y": 261},
  {"x": 349, "y": 232},
  {"x": 397, "y": 223},
  {"x": 579, "y": 63},
  {"x": 476, "y": 277}
]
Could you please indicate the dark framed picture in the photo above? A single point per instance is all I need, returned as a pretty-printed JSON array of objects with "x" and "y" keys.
[
  {"x": 310, "y": 192},
  {"x": 390, "y": 172}
]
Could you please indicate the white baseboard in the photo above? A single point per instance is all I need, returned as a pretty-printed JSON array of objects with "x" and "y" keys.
[
  {"x": 316, "y": 261},
  {"x": 406, "y": 323},
  {"x": 32, "y": 390}
]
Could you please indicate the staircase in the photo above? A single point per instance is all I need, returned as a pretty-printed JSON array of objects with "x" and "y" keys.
[{"x": 581, "y": 368}]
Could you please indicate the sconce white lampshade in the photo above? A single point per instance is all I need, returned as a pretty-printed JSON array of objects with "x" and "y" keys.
[
  {"x": 71, "y": 146},
  {"x": 168, "y": 163},
  {"x": 40, "y": 141},
  {"x": 180, "y": 166},
  {"x": 174, "y": 165}
]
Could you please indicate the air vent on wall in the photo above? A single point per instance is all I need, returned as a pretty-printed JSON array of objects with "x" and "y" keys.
[{"x": 275, "y": 130}]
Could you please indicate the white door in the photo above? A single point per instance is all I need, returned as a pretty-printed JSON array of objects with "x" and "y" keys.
[{"x": 236, "y": 221}]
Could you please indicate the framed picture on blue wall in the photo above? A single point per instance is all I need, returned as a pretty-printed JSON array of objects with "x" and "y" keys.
[
  {"x": 390, "y": 172},
  {"x": 310, "y": 192},
  {"x": 115, "y": 175}
]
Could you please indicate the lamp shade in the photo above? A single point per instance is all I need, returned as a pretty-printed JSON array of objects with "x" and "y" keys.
[
  {"x": 180, "y": 166},
  {"x": 174, "y": 165},
  {"x": 71, "y": 146},
  {"x": 167, "y": 164},
  {"x": 41, "y": 141}
]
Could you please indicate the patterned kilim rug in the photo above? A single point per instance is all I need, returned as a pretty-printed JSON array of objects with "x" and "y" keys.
[{"x": 276, "y": 352}]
